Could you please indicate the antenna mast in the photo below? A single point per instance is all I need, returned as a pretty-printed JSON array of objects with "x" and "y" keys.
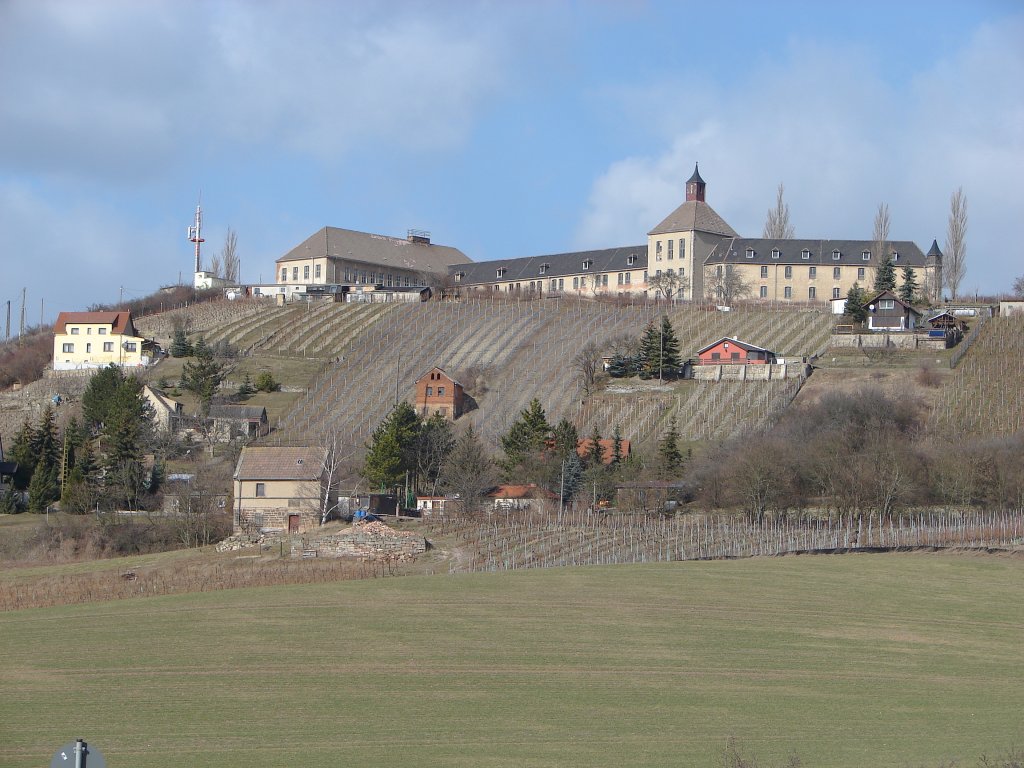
[{"x": 195, "y": 233}]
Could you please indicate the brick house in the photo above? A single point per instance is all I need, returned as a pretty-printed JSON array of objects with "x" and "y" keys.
[
  {"x": 437, "y": 392},
  {"x": 728, "y": 351},
  {"x": 280, "y": 489}
]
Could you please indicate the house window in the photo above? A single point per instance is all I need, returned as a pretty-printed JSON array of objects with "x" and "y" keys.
[
  {"x": 631, "y": 259},
  {"x": 68, "y": 348},
  {"x": 764, "y": 272},
  {"x": 389, "y": 279},
  {"x": 88, "y": 348},
  {"x": 130, "y": 346},
  {"x": 805, "y": 254},
  {"x": 261, "y": 489},
  {"x": 682, "y": 248},
  {"x": 812, "y": 293},
  {"x": 544, "y": 268},
  {"x": 430, "y": 391},
  {"x": 812, "y": 272},
  {"x": 561, "y": 283},
  {"x": 787, "y": 292},
  {"x": 554, "y": 285},
  {"x": 837, "y": 272},
  {"x": 750, "y": 253},
  {"x": 670, "y": 243},
  {"x": 501, "y": 272},
  {"x": 657, "y": 273},
  {"x": 645, "y": 275},
  {"x": 628, "y": 274},
  {"x": 88, "y": 331},
  {"x": 102, "y": 331},
  {"x": 74, "y": 331},
  {"x": 459, "y": 276},
  {"x": 835, "y": 293},
  {"x": 789, "y": 273},
  {"x": 316, "y": 271},
  {"x": 575, "y": 283},
  {"x": 887, "y": 304},
  {"x": 620, "y": 278},
  {"x": 295, "y": 273},
  {"x": 836, "y": 255},
  {"x": 583, "y": 282},
  {"x": 718, "y": 271},
  {"x": 865, "y": 255},
  {"x": 440, "y": 391},
  {"x": 716, "y": 355},
  {"x": 108, "y": 346},
  {"x": 764, "y": 291},
  {"x": 734, "y": 355},
  {"x": 895, "y": 256},
  {"x": 284, "y": 274},
  {"x": 775, "y": 253},
  {"x": 305, "y": 272},
  {"x": 860, "y": 273},
  {"x": 657, "y": 251},
  {"x": 586, "y": 264}
]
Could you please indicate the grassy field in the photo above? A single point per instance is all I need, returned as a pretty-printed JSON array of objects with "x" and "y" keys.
[{"x": 870, "y": 660}]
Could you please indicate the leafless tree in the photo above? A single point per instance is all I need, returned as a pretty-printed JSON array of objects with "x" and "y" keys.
[
  {"x": 954, "y": 264},
  {"x": 1018, "y": 287},
  {"x": 669, "y": 284},
  {"x": 468, "y": 472},
  {"x": 880, "y": 236},
  {"x": 216, "y": 264},
  {"x": 728, "y": 285},
  {"x": 229, "y": 259},
  {"x": 776, "y": 225},
  {"x": 587, "y": 366}
]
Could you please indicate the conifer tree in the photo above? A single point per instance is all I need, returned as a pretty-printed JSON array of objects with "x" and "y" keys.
[
  {"x": 202, "y": 375},
  {"x": 594, "y": 457},
  {"x": 669, "y": 347},
  {"x": 390, "y": 453},
  {"x": 668, "y": 449},
  {"x": 650, "y": 351},
  {"x": 526, "y": 439},
  {"x": 180, "y": 346},
  {"x": 617, "y": 446},
  {"x": 909, "y": 288},
  {"x": 885, "y": 276},
  {"x": 21, "y": 453},
  {"x": 571, "y": 477},
  {"x": 855, "y": 309},
  {"x": 565, "y": 438},
  {"x": 42, "y": 489},
  {"x": 99, "y": 395}
]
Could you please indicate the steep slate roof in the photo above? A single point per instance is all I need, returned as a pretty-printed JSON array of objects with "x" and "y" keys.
[
  {"x": 934, "y": 250},
  {"x": 380, "y": 250},
  {"x": 269, "y": 463},
  {"x": 441, "y": 371},
  {"x": 121, "y": 322},
  {"x": 559, "y": 265},
  {"x": 894, "y": 297},
  {"x": 850, "y": 252},
  {"x": 745, "y": 346},
  {"x": 250, "y": 412},
  {"x": 694, "y": 215}
]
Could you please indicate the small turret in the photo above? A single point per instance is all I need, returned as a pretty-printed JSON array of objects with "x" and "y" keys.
[{"x": 695, "y": 186}]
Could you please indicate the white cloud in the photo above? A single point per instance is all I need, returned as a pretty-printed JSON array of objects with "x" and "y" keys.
[{"x": 842, "y": 139}]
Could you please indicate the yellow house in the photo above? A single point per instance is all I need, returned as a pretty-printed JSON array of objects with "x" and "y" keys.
[
  {"x": 83, "y": 340},
  {"x": 283, "y": 489}
]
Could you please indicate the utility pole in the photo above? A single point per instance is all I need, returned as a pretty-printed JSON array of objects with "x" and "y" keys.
[
  {"x": 21, "y": 326},
  {"x": 7, "y": 335}
]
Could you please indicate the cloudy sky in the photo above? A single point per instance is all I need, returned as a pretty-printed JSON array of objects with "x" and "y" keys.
[{"x": 504, "y": 128}]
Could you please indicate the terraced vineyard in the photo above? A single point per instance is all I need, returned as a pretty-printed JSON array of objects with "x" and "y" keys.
[
  {"x": 521, "y": 350},
  {"x": 986, "y": 392}
]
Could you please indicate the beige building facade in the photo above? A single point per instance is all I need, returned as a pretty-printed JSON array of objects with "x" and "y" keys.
[
  {"x": 280, "y": 489},
  {"x": 85, "y": 340}
]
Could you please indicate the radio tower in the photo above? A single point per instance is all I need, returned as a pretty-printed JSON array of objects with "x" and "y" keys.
[{"x": 195, "y": 234}]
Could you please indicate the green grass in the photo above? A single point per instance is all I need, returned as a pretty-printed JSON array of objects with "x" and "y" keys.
[{"x": 872, "y": 660}]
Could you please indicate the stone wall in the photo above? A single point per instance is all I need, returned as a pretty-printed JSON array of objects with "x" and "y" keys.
[
  {"x": 748, "y": 372},
  {"x": 893, "y": 340},
  {"x": 370, "y": 541}
]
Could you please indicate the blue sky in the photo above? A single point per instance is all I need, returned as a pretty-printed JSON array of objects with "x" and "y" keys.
[{"x": 505, "y": 129}]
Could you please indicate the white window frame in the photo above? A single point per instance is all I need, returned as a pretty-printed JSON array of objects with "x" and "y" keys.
[{"x": 805, "y": 254}]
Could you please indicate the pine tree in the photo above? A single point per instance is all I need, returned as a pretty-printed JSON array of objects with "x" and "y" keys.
[
  {"x": 668, "y": 450},
  {"x": 571, "y": 477},
  {"x": 565, "y": 439},
  {"x": 180, "y": 346},
  {"x": 909, "y": 288},
  {"x": 45, "y": 442},
  {"x": 885, "y": 276},
  {"x": 669, "y": 348},
  {"x": 42, "y": 489},
  {"x": 650, "y": 351},
  {"x": 468, "y": 472},
  {"x": 391, "y": 452},
  {"x": 202, "y": 375},
  {"x": 21, "y": 453},
  {"x": 594, "y": 457},
  {"x": 526, "y": 439},
  {"x": 617, "y": 446},
  {"x": 246, "y": 389},
  {"x": 99, "y": 396},
  {"x": 855, "y": 299}
]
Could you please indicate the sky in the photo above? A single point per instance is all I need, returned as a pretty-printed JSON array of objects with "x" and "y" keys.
[{"x": 503, "y": 128}]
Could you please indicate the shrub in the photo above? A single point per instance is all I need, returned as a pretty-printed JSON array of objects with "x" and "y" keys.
[{"x": 265, "y": 382}]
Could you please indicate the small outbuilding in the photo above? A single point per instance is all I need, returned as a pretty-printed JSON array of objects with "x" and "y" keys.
[
  {"x": 729, "y": 351},
  {"x": 509, "y": 498},
  {"x": 280, "y": 489},
  {"x": 947, "y": 321},
  {"x": 229, "y": 422},
  {"x": 888, "y": 312}
]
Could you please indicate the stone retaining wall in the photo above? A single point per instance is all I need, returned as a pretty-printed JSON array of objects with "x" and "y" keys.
[
  {"x": 894, "y": 340},
  {"x": 748, "y": 372},
  {"x": 370, "y": 541}
]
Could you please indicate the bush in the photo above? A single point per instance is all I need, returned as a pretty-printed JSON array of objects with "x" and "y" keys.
[{"x": 265, "y": 382}]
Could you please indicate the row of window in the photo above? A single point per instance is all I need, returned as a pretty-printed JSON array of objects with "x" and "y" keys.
[
  {"x": 805, "y": 254},
  {"x": 351, "y": 276},
  {"x": 108, "y": 346},
  {"x": 586, "y": 265},
  {"x": 88, "y": 331},
  {"x": 430, "y": 391},
  {"x": 812, "y": 272},
  {"x": 787, "y": 292},
  {"x": 669, "y": 254}
]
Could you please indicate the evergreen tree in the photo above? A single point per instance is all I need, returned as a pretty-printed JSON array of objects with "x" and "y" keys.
[
  {"x": 617, "y": 446},
  {"x": 391, "y": 450},
  {"x": 10, "y": 501},
  {"x": 46, "y": 445},
  {"x": 659, "y": 350},
  {"x": 21, "y": 453},
  {"x": 670, "y": 457},
  {"x": 909, "y": 288},
  {"x": 202, "y": 375},
  {"x": 42, "y": 489},
  {"x": 99, "y": 396},
  {"x": 571, "y": 478},
  {"x": 594, "y": 457},
  {"x": 565, "y": 439},
  {"x": 468, "y": 472},
  {"x": 180, "y": 346},
  {"x": 430, "y": 448},
  {"x": 649, "y": 359},
  {"x": 885, "y": 276},
  {"x": 246, "y": 389},
  {"x": 855, "y": 299},
  {"x": 526, "y": 439},
  {"x": 669, "y": 348}
]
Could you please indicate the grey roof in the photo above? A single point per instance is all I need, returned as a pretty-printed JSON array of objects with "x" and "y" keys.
[
  {"x": 790, "y": 252},
  {"x": 934, "y": 250},
  {"x": 558, "y": 265},
  {"x": 890, "y": 295},
  {"x": 398, "y": 253},
  {"x": 696, "y": 175},
  {"x": 238, "y": 412},
  {"x": 695, "y": 215},
  {"x": 270, "y": 463}
]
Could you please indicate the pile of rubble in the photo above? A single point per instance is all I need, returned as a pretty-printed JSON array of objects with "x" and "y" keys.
[
  {"x": 240, "y": 541},
  {"x": 370, "y": 541}
]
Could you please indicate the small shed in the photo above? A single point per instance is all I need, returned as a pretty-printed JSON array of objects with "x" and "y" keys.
[
  {"x": 228, "y": 422},
  {"x": 947, "y": 321},
  {"x": 519, "y": 497},
  {"x": 437, "y": 392},
  {"x": 730, "y": 351},
  {"x": 433, "y": 505},
  {"x": 888, "y": 312}
]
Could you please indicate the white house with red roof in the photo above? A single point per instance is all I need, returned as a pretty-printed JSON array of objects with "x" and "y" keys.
[{"x": 84, "y": 340}]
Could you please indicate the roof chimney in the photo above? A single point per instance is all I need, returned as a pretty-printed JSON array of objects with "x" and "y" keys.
[{"x": 418, "y": 236}]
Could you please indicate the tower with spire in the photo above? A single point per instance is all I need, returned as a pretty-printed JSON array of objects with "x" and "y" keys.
[{"x": 695, "y": 186}]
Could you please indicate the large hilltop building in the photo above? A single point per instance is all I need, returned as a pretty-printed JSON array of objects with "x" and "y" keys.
[
  {"x": 344, "y": 257},
  {"x": 705, "y": 259}
]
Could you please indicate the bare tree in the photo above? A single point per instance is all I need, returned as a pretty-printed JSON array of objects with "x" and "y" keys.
[
  {"x": 954, "y": 265},
  {"x": 776, "y": 225},
  {"x": 1018, "y": 287},
  {"x": 669, "y": 284},
  {"x": 880, "y": 236},
  {"x": 468, "y": 472},
  {"x": 229, "y": 257},
  {"x": 728, "y": 285},
  {"x": 587, "y": 364},
  {"x": 216, "y": 265}
]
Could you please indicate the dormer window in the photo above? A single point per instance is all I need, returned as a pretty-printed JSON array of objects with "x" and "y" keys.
[
  {"x": 544, "y": 268},
  {"x": 836, "y": 255},
  {"x": 501, "y": 272},
  {"x": 631, "y": 259},
  {"x": 750, "y": 253},
  {"x": 776, "y": 253},
  {"x": 865, "y": 255},
  {"x": 459, "y": 276},
  {"x": 805, "y": 254},
  {"x": 895, "y": 256},
  {"x": 586, "y": 264}
]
